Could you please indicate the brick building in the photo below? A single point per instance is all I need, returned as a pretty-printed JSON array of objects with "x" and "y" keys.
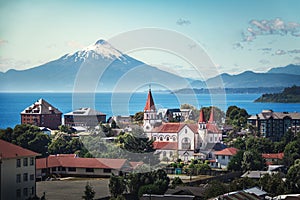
[{"x": 41, "y": 114}]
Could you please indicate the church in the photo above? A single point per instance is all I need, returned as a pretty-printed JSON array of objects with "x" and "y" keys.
[{"x": 181, "y": 140}]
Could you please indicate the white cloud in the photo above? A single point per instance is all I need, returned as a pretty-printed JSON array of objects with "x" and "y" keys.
[
  {"x": 270, "y": 27},
  {"x": 182, "y": 22},
  {"x": 280, "y": 52}
]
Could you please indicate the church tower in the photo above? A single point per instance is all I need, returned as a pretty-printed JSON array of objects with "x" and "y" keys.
[
  {"x": 201, "y": 121},
  {"x": 150, "y": 115}
]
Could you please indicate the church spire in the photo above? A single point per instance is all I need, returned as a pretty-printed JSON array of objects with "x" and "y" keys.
[
  {"x": 211, "y": 117},
  {"x": 149, "y": 103},
  {"x": 201, "y": 117}
]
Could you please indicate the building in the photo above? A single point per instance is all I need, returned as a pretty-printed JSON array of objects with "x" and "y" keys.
[
  {"x": 42, "y": 114},
  {"x": 72, "y": 165},
  {"x": 272, "y": 158},
  {"x": 17, "y": 172},
  {"x": 273, "y": 125},
  {"x": 85, "y": 117},
  {"x": 150, "y": 115},
  {"x": 223, "y": 157}
]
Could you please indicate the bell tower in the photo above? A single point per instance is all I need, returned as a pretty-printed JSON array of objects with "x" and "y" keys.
[{"x": 150, "y": 115}]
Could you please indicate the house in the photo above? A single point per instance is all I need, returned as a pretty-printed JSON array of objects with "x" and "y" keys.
[
  {"x": 17, "y": 172},
  {"x": 72, "y": 165},
  {"x": 257, "y": 174},
  {"x": 42, "y": 114},
  {"x": 273, "y": 158},
  {"x": 85, "y": 117},
  {"x": 238, "y": 195},
  {"x": 223, "y": 157},
  {"x": 273, "y": 125}
]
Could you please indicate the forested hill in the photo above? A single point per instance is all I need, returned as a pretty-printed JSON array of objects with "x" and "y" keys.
[{"x": 289, "y": 95}]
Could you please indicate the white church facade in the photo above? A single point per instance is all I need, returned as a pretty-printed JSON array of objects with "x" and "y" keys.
[{"x": 180, "y": 140}]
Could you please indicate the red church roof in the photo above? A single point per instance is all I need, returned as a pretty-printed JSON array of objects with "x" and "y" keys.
[
  {"x": 211, "y": 117},
  {"x": 227, "y": 152},
  {"x": 201, "y": 117},
  {"x": 174, "y": 128},
  {"x": 149, "y": 103},
  {"x": 9, "y": 150},
  {"x": 165, "y": 145}
]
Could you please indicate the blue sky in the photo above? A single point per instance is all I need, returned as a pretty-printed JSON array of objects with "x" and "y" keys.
[{"x": 237, "y": 35}]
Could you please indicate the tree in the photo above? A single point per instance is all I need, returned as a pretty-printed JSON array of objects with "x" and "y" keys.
[
  {"x": 89, "y": 192},
  {"x": 252, "y": 160},
  {"x": 116, "y": 185},
  {"x": 236, "y": 116},
  {"x": 273, "y": 184},
  {"x": 176, "y": 181},
  {"x": 139, "y": 117},
  {"x": 293, "y": 177},
  {"x": 214, "y": 189},
  {"x": 235, "y": 162}
]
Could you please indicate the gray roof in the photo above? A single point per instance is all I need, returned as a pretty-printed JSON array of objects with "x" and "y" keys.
[
  {"x": 41, "y": 107},
  {"x": 256, "y": 191},
  {"x": 84, "y": 112},
  {"x": 256, "y": 174},
  {"x": 266, "y": 114}
]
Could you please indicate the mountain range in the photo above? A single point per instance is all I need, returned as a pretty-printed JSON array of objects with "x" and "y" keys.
[{"x": 101, "y": 67}]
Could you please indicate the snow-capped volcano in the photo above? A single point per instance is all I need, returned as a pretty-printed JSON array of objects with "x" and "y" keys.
[{"x": 101, "y": 49}]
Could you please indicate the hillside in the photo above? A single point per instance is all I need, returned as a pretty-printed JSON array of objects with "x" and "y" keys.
[{"x": 289, "y": 95}]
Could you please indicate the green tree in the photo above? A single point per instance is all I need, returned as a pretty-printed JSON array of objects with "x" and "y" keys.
[
  {"x": 116, "y": 185},
  {"x": 215, "y": 188},
  {"x": 293, "y": 177},
  {"x": 241, "y": 184},
  {"x": 235, "y": 162},
  {"x": 138, "y": 117},
  {"x": 89, "y": 192},
  {"x": 252, "y": 160},
  {"x": 273, "y": 184},
  {"x": 176, "y": 181}
]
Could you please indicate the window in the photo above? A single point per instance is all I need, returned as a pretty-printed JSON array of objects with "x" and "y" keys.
[
  {"x": 18, "y": 193},
  {"x": 31, "y": 161},
  {"x": 54, "y": 169},
  {"x": 107, "y": 170},
  {"x": 25, "y": 161},
  {"x": 18, "y": 178},
  {"x": 25, "y": 177},
  {"x": 186, "y": 143},
  {"x": 63, "y": 169},
  {"x": 185, "y": 130},
  {"x": 161, "y": 138},
  {"x": 89, "y": 170},
  {"x": 31, "y": 177},
  {"x": 32, "y": 190},
  {"x": 171, "y": 153},
  {"x": 71, "y": 169},
  {"x": 25, "y": 192},
  {"x": 217, "y": 156},
  {"x": 154, "y": 138},
  {"x": 164, "y": 154},
  {"x": 18, "y": 163},
  {"x": 223, "y": 157},
  {"x": 168, "y": 138}
]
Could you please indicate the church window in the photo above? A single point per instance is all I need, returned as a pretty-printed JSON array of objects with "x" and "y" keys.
[
  {"x": 186, "y": 143},
  {"x": 168, "y": 138},
  {"x": 154, "y": 138},
  {"x": 185, "y": 130},
  {"x": 164, "y": 153},
  {"x": 174, "y": 139},
  {"x": 161, "y": 138}
]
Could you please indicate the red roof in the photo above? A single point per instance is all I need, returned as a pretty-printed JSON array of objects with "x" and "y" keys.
[
  {"x": 135, "y": 164},
  {"x": 211, "y": 117},
  {"x": 174, "y": 127},
  {"x": 227, "y": 152},
  {"x": 149, "y": 103},
  {"x": 71, "y": 161},
  {"x": 201, "y": 117},
  {"x": 9, "y": 150},
  {"x": 273, "y": 155},
  {"x": 212, "y": 127},
  {"x": 165, "y": 145}
]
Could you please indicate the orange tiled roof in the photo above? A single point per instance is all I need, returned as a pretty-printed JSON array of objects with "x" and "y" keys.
[
  {"x": 9, "y": 150},
  {"x": 273, "y": 155},
  {"x": 227, "y": 152},
  {"x": 165, "y": 145},
  {"x": 71, "y": 161},
  {"x": 201, "y": 117}
]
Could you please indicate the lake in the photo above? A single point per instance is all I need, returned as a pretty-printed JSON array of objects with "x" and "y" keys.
[{"x": 11, "y": 104}]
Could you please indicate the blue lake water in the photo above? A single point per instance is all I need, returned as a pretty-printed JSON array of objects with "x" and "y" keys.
[{"x": 11, "y": 104}]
